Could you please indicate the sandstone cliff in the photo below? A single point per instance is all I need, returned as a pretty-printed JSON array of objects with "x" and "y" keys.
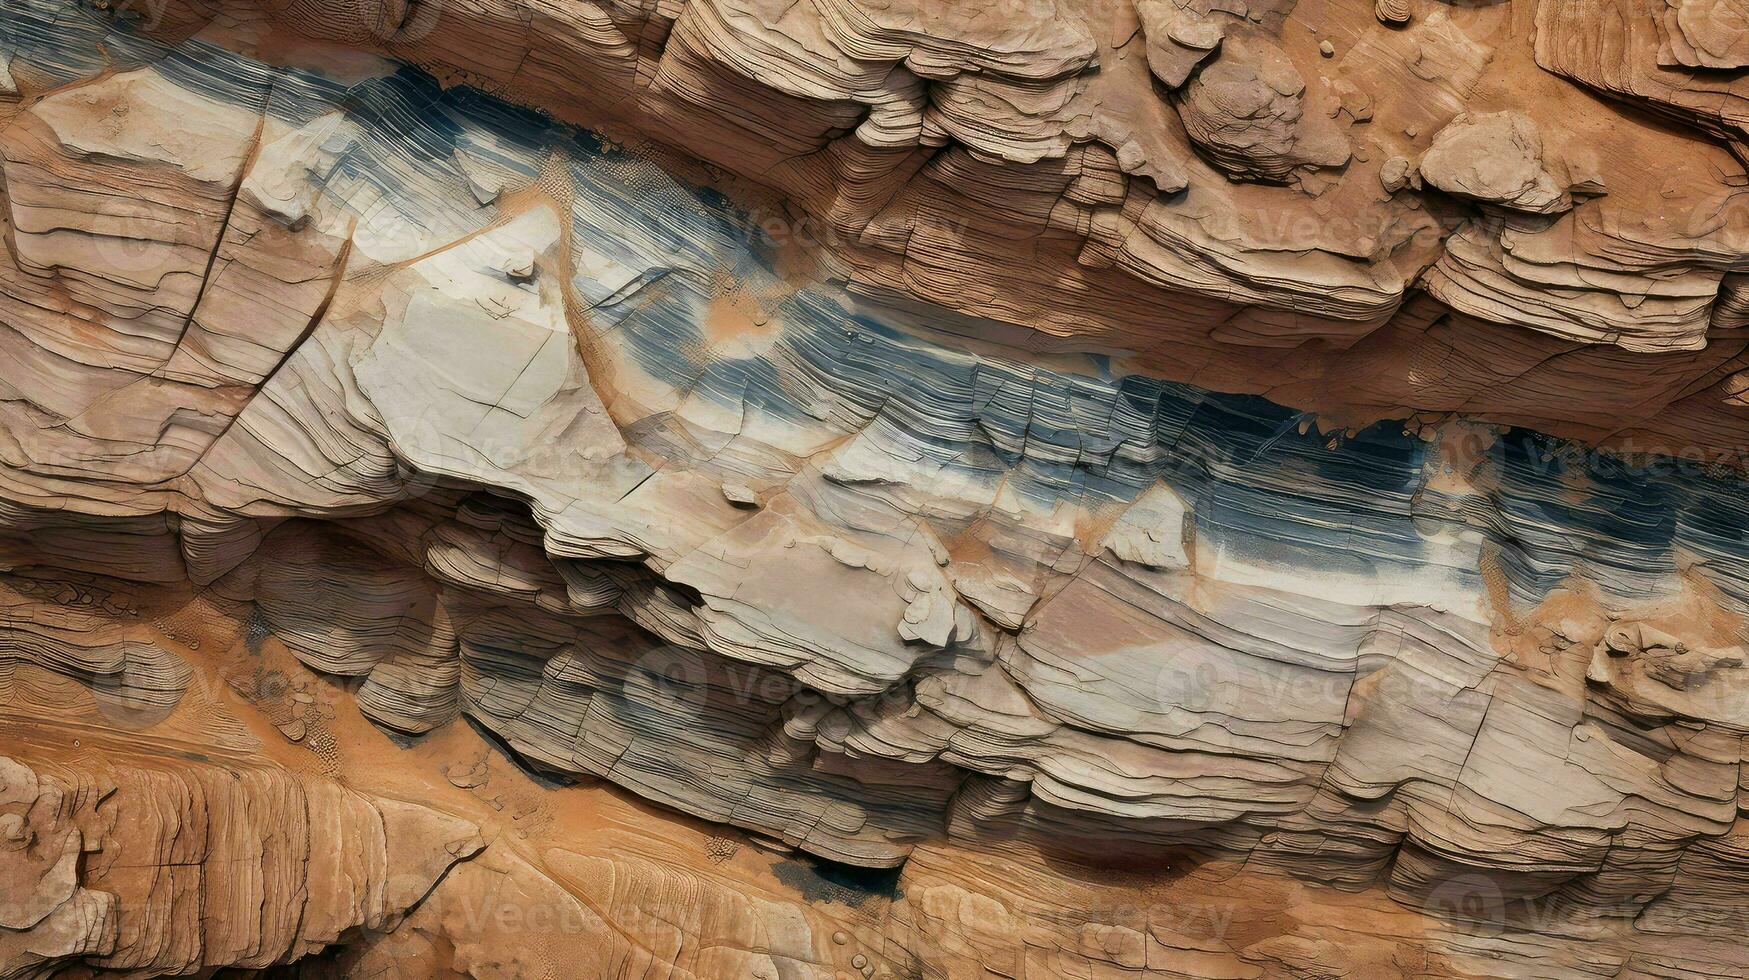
[{"x": 723, "y": 488}]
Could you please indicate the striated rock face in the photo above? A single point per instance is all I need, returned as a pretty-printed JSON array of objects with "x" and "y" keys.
[
  {"x": 1037, "y": 489},
  {"x": 138, "y": 869}
]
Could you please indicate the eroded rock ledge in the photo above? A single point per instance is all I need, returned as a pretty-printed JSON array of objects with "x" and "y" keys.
[
  {"x": 1204, "y": 191},
  {"x": 919, "y": 550}
]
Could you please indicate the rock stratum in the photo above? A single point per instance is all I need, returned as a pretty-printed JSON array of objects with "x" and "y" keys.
[{"x": 873, "y": 488}]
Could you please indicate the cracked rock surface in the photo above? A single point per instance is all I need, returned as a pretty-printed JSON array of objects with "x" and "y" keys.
[{"x": 1051, "y": 488}]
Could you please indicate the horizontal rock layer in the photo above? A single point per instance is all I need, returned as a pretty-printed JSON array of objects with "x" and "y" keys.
[
  {"x": 505, "y": 418},
  {"x": 1229, "y": 197}
]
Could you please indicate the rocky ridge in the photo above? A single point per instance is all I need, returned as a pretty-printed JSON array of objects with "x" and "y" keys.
[{"x": 934, "y": 544}]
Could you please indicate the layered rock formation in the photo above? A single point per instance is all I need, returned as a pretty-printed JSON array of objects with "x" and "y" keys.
[{"x": 1034, "y": 490}]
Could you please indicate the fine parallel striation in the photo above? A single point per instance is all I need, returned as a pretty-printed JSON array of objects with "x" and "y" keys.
[{"x": 968, "y": 528}]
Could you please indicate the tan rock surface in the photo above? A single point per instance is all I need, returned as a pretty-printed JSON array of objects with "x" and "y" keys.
[{"x": 799, "y": 504}]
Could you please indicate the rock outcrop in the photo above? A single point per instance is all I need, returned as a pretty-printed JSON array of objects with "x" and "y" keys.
[
  {"x": 1036, "y": 489},
  {"x": 163, "y": 872}
]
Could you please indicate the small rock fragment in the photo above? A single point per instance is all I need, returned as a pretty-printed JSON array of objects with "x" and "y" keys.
[
  {"x": 1496, "y": 157},
  {"x": 1393, "y": 11},
  {"x": 1394, "y": 175},
  {"x": 740, "y": 494}
]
